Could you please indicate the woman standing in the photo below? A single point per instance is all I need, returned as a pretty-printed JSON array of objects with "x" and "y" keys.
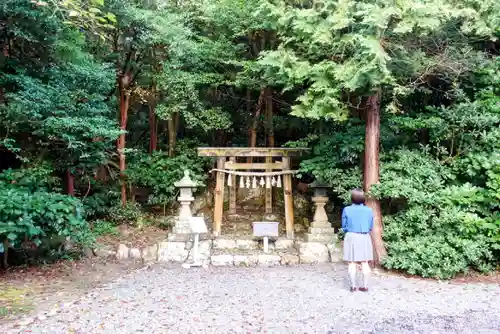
[{"x": 357, "y": 223}]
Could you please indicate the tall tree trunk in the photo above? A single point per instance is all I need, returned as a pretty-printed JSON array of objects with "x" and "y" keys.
[
  {"x": 70, "y": 183},
  {"x": 153, "y": 131},
  {"x": 371, "y": 170},
  {"x": 269, "y": 117},
  {"x": 153, "y": 126},
  {"x": 173, "y": 127},
  {"x": 124, "y": 100},
  {"x": 255, "y": 122},
  {"x": 248, "y": 99}
]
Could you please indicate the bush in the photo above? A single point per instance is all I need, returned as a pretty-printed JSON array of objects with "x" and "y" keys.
[
  {"x": 100, "y": 202},
  {"x": 159, "y": 172},
  {"x": 444, "y": 227},
  {"x": 437, "y": 243},
  {"x": 102, "y": 227},
  {"x": 31, "y": 216},
  {"x": 129, "y": 214},
  {"x": 438, "y": 256},
  {"x": 34, "y": 178}
]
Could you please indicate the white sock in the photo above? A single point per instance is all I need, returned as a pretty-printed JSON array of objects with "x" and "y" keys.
[
  {"x": 351, "y": 269},
  {"x": 366, "y": 273}
]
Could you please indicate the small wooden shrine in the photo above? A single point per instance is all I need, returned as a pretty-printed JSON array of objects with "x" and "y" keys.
[{"x": 274, "y": 172}]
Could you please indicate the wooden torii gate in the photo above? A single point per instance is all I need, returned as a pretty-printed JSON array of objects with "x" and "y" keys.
[{"x": 226, "y": 164}]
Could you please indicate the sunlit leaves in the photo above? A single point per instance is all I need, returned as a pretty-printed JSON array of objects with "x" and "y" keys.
[
  {"x": 88, "y": 15},
  {"x": 374, "y": 44}
]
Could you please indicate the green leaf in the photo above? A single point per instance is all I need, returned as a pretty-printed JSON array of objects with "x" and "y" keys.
[{"x": 94, "y": 10}]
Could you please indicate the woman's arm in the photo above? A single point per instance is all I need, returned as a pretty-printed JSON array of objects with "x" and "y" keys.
[
  {"x": 371, "y": 222},
  {"x": 344, "y": 221}
]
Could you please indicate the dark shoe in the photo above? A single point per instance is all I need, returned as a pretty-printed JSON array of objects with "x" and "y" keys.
[
  {"x": 363, "y": 289},
  {"x": 353, "y": 289}
]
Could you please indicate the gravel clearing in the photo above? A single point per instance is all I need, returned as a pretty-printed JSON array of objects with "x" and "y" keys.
[{"x": 302, "y": 299}]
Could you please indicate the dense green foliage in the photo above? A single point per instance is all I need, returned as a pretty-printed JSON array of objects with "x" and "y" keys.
[
  {"x": 30, "y": 212},
  {"x": 103, "y": 102},
  {"x": 158, "y": 173}
]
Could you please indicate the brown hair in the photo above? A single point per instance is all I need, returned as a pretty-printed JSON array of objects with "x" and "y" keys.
[{"x": 357, "y": 196}]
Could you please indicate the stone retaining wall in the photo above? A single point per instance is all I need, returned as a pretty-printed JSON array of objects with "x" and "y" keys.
[{"x": 226, "y": 251}]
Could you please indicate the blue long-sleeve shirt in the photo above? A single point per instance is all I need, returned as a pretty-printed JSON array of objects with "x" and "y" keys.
[{"x": 357, "y": 218}]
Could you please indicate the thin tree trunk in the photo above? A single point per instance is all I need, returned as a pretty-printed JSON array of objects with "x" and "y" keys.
[
  {"x": 269, "y": 101},
  {"x": 121, "y": 143},
  {"x": 255, "y": 123},
  {"x": 269, "y": 117},
  {"x": 371, "y": 170},
  {"x": 70, "y": 183},
  {"x": 153, "y": 126},
  {"x": 248, "y": 99},
  {"x": 153, "y": 134},
  {"x": 173, "y": 126}
]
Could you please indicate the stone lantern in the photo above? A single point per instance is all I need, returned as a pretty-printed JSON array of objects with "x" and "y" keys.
[
  {"x": 186, "y": 187},
  {"x": 321, "y": 230}
]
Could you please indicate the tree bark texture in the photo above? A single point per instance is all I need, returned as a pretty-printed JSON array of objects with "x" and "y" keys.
[
  {"x": 124, "y": 101},
  {"x": 70, "y": 183},
  {"x": 372, "y": 171},
  {"x": 252, "y": 142},
  {"x": 153, "y": 125},
  {"x": 269, "y": 117},
  {"x": 173, "y": 127},
  {"x": 153, "y": 131}
]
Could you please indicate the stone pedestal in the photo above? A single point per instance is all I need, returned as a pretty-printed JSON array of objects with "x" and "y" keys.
[
  {"x": 182, "y": 224},
  {"x": 181, "y": 227},
  {"x": 320, "y": 230}
]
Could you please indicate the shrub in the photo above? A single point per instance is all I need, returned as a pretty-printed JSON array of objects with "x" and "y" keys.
[
  {"x": 31, "y": 216},
  {"x": 129, "y": 214},
  {"x": 444, "y": 227},
  {"x": 34, "y": 178},
  {"x": 437, "y": 243},
  {"x": 159, "y": 172}
]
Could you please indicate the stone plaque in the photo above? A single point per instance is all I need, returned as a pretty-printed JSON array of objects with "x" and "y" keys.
[
  {"x": 198, "y": 225},
  {"x": 265, "y": 229}
]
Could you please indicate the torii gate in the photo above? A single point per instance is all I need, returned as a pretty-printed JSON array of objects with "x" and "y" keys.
[{"x": 231, "y": 168}]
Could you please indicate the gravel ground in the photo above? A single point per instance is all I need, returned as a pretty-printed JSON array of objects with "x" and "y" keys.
[{"x": 302, "y": 299}]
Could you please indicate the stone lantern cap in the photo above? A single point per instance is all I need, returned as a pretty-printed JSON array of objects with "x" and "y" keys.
[
  {"x": 186, "y": 181},
  {"x": 320, "y": 188},
  {"x": 319, "y": 184}
]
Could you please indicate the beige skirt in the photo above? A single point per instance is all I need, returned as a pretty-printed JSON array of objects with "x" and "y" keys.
[{"x": 358, "y": 247}]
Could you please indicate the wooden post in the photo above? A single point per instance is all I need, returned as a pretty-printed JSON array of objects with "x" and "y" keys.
[
  {"x": 219, "y": 197},
  {"x": 232, "y": 191},
  {"x": 287, "y": 188},
  {"x": 269, "y": 191}
]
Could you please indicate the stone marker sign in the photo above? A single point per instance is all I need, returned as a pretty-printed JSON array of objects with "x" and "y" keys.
[
  {"x": 198, "y": 225},
  {"x": 265, "y": 229}
]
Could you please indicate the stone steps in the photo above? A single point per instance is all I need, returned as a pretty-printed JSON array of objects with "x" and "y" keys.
[
  {"x": 248, "y": 252},
  {"x": 233, "y": 250},
  {"x": 250, "y": 243},
  {"x": 241, "y": 258}
]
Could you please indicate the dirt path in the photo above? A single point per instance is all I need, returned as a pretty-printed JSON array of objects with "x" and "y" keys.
[{"x": 36, "y": 289}]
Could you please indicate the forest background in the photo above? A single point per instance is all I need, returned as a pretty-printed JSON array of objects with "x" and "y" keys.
[{"x": 103, "y": 103}]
